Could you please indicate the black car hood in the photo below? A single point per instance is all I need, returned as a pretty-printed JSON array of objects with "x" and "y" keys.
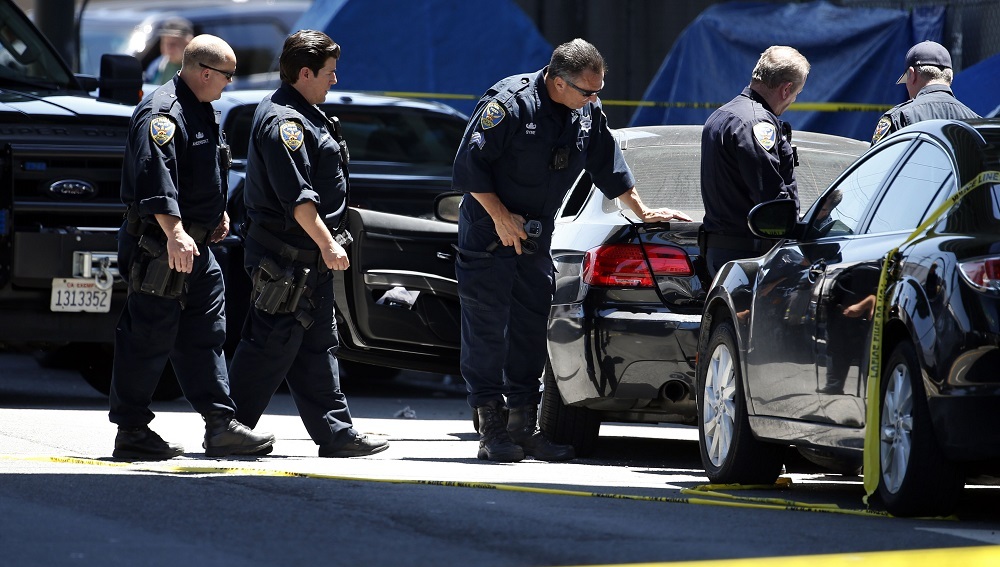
[{"x": 59, "y": 106}]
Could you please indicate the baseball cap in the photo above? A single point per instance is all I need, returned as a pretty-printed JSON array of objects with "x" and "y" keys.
[
  {"x": 176, "y": 27},
  {"x": 926, "y": 53}
]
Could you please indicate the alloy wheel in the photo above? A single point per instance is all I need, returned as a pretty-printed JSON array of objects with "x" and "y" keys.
[
  {"x": 719, "y": 408},
  {"x": 896, "y": 428}
]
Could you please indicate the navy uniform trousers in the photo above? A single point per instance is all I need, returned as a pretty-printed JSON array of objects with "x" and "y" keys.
[
  {"x": 277, "y": 347},
  {"x": 152, "y": 330},
  {"x": 505, "y": 310}
]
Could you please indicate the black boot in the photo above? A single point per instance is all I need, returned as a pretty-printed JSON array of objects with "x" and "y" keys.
[
  {"x": 494, "y": 441},
  {"x": 226, "y": 436},
  {"x": 522, "y": 423},
  {"x": 142, "y": 444}
]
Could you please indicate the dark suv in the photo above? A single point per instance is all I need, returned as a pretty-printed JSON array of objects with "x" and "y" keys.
[{"x": 60, "y": 172}]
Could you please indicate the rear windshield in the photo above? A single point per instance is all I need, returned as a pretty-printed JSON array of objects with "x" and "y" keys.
[
  {"x": 391, "y": 134},
  {"x": 670, "y": 176}
]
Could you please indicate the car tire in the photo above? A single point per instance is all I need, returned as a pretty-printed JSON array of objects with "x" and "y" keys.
[
  {"x": 576, "y": 426},
  {"x": 729, "y": 451},
  {"x": 915, "y": 479}
]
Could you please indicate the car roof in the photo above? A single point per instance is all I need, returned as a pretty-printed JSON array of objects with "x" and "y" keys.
[{"x": 676, "y": 134}]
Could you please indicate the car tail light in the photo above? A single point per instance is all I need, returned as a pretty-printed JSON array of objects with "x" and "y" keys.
[
  {"x": 623, "y": 265},
  {"x": 983, "y": 273}
]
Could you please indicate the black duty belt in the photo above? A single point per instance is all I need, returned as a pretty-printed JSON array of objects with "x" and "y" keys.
[
  {"x": 136, "y": 227},
  {"x": 280, "y": 247}
]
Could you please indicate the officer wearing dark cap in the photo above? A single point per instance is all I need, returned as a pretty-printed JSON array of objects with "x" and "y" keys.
[
  {"x": 296, "y": 198},
  {"x": 927, "y": 77},
  {"x": 174, "y": 184},
  {"x": 529, "y": 138},
  {"x": 747, "y": 157}
]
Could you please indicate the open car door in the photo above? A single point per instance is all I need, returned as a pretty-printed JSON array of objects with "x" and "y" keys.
[{"x": 397, "y": 305}]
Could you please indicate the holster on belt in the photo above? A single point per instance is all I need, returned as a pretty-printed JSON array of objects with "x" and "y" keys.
[
  {"x": 281, "y": 290},
  {"x": 150, "y": 271}
]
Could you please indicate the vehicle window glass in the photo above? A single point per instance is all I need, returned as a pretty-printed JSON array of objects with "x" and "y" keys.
[
  {"x": 253, "y": 42},
  {"x": 24, "y": 56},
  {"x": 397, "y": 134},
  {"x": 913, "y": 191},
  {"x": 977, "y": 212},
  {"x": 846, "y": 203},
  {"x": 668, "y": 176}
]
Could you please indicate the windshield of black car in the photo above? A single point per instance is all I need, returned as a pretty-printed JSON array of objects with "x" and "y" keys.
[
  {"x": 389, "y": 134},
  {"x": 25, "y": 59},
  {"x": 670, "y": 176}
]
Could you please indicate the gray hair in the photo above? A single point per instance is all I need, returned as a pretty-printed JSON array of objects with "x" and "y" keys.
[
  {"x": 572, "y": 58},
  {"x": 780, "y": 64},
  {"x": 933, "y": 73}
]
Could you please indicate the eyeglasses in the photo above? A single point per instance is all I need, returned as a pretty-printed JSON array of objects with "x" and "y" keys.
[
  {"x": 586, "y": 94},
  {"x": 226, "y": 74}
]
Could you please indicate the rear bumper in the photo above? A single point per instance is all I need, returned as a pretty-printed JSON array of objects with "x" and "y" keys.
[{"x": 618, "y": 360}]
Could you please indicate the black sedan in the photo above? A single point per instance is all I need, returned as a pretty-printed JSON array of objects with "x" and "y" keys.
[
  {"x": 783, "y": 358},
  {"x": 621, "y": 342}
]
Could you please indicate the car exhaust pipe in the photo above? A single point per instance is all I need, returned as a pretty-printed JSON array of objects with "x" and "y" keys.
[{"x": 674, "y": 390}]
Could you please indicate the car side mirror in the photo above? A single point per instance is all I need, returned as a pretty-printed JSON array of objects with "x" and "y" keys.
[
  {"x": 774, "y": 219},
  {"x": 446, "y": 206},
  {"x": 121, "y": 78}
]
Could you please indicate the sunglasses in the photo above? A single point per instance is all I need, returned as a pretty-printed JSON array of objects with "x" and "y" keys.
[
  {"x": 586, "y": 94},
  {"x": 226, "y": 74}
]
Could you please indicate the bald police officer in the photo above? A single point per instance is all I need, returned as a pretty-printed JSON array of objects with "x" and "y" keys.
[
  {"x": 529, "y": 138},
  {"x": 174, "y": 184},
  {"x": 296, "y": 198},
  {"x": 927, "y": 77},
  {"x": 747, "y": 157}
]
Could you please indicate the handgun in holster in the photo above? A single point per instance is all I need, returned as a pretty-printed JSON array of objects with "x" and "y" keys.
[
  {"x": 272, "y": 285},
  {"x": 151, "y": 272}
]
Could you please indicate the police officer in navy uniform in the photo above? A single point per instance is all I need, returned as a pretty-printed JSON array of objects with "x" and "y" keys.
[
  {"x": 528, "y": 140},
  {"x": 747, "y": 157},
  {"x": 296, "y": 198},
  {"x": 174, "y": 184},
  {"x": 927, "y": 77}
]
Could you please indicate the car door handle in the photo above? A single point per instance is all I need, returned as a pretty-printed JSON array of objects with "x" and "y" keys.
[
  {"x": 445, "y": 256},
  {"x": 816, "y": 270}
]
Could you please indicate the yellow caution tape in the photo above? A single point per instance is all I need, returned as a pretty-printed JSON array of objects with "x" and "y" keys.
[
  {"x": 872, "y": 466},
  {"x": 801, "y": 106}
]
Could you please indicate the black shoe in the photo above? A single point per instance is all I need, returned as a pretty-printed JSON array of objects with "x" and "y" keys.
[
  {"x": 225, "y": 436},
  {"x": 142, "y": 444},
  {"x": 361, "y": 446},
  {"x": 495, "y": 443},
  {"x": 831, "y": 390},
  {"x": 522, "y": 424}
]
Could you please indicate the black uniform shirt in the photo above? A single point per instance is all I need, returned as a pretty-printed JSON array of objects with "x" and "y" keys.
[
  {"x": 510, "y": 145},
  {"x": 293, "y": 158},
  {"x": 932, "y": 101},
  {"x": 172, "y": 157},
  {"x": 745, "y": 160}
]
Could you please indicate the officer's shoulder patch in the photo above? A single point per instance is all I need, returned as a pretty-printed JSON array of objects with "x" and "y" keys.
[
  {"x": 492, "y": 115},
  {"x": 162, "y": 129},
  {"x": 291, "y": 134},
  {"x": 882, "y": 128},
  {"x": 765, "y": 134}
]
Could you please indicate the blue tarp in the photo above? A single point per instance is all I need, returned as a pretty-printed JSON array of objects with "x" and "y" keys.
[
  {"x": 431, "y": 46},
  {"x": 979, "y": 86},
  {"x": 856, "y": 55}
]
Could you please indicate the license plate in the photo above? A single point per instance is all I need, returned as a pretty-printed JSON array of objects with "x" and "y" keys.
[{"x": 78, "y": 294}]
